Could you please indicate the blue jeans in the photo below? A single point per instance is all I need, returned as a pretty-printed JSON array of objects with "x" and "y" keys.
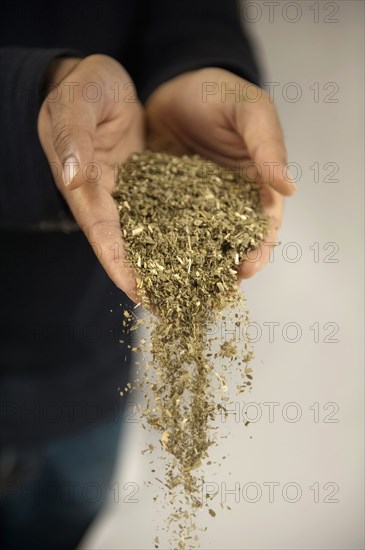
[{"x": 51, "y": 494}]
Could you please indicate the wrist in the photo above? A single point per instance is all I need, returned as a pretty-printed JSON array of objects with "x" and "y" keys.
[{"x": 58, "y": 69}]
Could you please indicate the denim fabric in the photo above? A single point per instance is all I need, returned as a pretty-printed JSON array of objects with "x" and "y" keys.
[{"x": 50, "y": 494}]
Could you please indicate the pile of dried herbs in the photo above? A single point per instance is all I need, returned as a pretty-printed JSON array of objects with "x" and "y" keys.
[{"x": 187, "y": 225}]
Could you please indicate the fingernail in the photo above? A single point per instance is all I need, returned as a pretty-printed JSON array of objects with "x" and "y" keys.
[{"x": 71, "y": 166}]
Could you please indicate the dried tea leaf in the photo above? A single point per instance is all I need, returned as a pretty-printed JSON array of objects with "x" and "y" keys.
[{"x": 187, "y": 224}]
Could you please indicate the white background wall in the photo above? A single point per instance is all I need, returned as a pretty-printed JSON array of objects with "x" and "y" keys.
[{"x": 303, "y": 292}]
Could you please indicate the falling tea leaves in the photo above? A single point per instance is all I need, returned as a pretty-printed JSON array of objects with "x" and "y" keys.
[{"x": 187, "y": 224}]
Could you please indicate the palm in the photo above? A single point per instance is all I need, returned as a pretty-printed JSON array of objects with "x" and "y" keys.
[
  {"x": 115, "y": 139},
  {"x": 188, "y": 125},
  {"x": 241, "y": 135}
]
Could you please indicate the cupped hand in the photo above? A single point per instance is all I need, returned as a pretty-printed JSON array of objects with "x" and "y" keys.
[
  {"x": 87, "y": 126},
  {"x": 229, "y": 120}
]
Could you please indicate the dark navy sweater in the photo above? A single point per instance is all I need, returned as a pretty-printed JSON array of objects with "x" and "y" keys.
[{"x": 61, "y": 360}]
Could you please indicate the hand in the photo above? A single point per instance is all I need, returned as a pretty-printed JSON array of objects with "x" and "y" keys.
[
  {"x": 84, "y": 141},
  {"x": 235, "y": 133}
]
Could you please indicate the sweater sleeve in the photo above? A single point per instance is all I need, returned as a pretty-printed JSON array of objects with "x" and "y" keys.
[
  {"x": 184, "y": 35},
  {"x": 28, "y": 195}
]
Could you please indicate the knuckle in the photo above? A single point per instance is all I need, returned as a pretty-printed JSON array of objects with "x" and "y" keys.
[
  {"x": 61, "y": 134},
  {"x": 103, "y": 225}
]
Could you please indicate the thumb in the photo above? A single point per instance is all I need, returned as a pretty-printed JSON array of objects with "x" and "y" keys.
[
  {"x": 73, "y": 145},
  {"x": 260, "y": 129}
]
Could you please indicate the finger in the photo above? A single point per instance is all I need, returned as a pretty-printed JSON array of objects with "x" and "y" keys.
[
  {"x": 273, "y": 205},
  {"x": 96, "y": 213},
  {"x": 72, "y": 132},
  {"x": 66, "y": 129},
  {"x": 260, "y": 129},
  {"x": 258, "y": 258}
]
